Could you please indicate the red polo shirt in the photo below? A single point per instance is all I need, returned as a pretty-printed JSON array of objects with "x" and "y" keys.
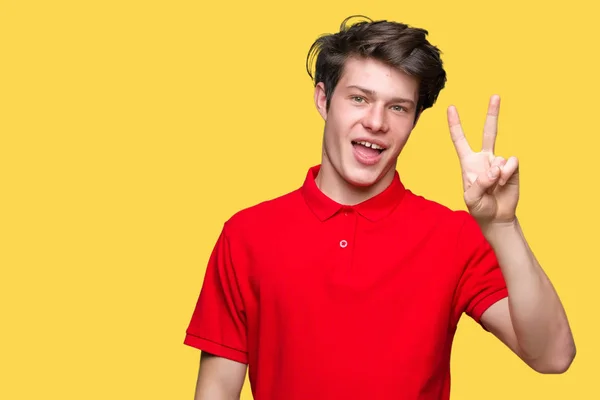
[{"x": 325, "y": 301}]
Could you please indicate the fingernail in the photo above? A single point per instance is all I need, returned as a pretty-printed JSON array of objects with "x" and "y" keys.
[{"x": 493, "y": 172}]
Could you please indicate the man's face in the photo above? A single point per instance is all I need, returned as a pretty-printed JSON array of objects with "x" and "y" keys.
[{"x": 371, "y": 115}]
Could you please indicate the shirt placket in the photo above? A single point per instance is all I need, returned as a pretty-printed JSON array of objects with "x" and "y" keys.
[{"x": 346, "y": 242}]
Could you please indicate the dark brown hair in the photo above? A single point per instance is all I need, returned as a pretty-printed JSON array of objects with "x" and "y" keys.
[{"x": 393, "y": 43}]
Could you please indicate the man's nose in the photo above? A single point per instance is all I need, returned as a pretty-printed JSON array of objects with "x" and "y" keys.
[{"x": 375, "y": 119}]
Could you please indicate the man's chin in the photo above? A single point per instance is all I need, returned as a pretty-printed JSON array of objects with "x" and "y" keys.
[{"x": 363, "y": 177}]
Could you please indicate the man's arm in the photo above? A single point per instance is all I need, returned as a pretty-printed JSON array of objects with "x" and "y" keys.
[
  {"x": 219, "y": 378},
  {"x": 531, "y": 321},
  {"x": 218, "y": 324}
]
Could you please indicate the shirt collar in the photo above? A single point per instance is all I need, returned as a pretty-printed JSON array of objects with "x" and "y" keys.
[{"x": 373, "y": 209}]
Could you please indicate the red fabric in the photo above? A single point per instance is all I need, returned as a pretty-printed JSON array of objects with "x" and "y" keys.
[{"x": 324, "y": 301}]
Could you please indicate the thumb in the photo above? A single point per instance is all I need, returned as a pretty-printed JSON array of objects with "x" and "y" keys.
[{"x": 482, "y": 184}]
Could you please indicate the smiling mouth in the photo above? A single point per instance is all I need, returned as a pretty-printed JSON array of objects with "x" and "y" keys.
[{"x": 368, "y": 145}]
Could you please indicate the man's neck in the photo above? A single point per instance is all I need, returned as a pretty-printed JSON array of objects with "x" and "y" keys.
[{"x": 339, "y": 190}]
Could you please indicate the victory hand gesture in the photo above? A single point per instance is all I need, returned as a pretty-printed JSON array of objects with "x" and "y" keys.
[{"x": 490, "y": 182}]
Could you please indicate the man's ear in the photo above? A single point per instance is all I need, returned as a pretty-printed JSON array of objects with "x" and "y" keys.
[{"x": 321, "y": 100}]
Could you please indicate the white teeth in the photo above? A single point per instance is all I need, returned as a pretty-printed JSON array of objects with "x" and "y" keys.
[{"x": 371, "y": 145}]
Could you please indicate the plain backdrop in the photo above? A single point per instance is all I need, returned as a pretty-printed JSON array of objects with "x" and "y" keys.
[{"x": 131, "y": 130}]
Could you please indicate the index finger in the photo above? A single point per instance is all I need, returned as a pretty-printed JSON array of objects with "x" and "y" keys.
[
  {"x": 456, "y": 133},
  {"x": 490, "y": 128}
]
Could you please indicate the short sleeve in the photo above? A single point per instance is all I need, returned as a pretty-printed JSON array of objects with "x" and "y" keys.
[
  {"x": 218, "y": 323},
  {"x": 481, "y": 283}
]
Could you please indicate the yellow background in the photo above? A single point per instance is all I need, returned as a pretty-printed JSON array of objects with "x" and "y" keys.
[{"x": 130, "y": 130}]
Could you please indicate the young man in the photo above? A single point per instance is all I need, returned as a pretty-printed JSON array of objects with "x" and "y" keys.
[{"x": 351, "y": 286}]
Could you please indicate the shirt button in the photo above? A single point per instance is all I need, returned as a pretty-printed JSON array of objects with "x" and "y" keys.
[{"x": 343, "y": 244}]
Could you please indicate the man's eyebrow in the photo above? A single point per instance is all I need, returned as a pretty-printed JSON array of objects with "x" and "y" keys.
[{"x": 373, "y": 93}]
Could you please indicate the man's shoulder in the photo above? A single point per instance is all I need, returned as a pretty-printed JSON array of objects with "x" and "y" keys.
[
  {"x": 427, "y": 208},
  {"x": 265, "y": 212}
]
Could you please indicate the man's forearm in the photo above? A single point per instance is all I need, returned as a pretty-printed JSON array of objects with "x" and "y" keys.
[{"x": 538, "y": 317}]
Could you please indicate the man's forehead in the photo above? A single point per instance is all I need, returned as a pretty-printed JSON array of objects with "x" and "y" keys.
[{"x": 378, "y": 78}]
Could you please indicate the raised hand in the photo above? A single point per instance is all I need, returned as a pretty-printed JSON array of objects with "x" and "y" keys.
[{"x": 490, "y": 182}]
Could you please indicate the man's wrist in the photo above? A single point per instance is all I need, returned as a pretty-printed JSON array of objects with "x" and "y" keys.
[{"x": 494, "y": 230}]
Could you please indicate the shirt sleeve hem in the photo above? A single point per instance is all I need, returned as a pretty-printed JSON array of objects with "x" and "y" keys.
[
  {"x": 216, "y": 348},
  {"x": 486, "y": 302}
]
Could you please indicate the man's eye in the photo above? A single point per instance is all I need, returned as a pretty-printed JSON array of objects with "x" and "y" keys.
[
  {"x": 357, "y": 99},
  {"x": 398, "y": 108}
]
